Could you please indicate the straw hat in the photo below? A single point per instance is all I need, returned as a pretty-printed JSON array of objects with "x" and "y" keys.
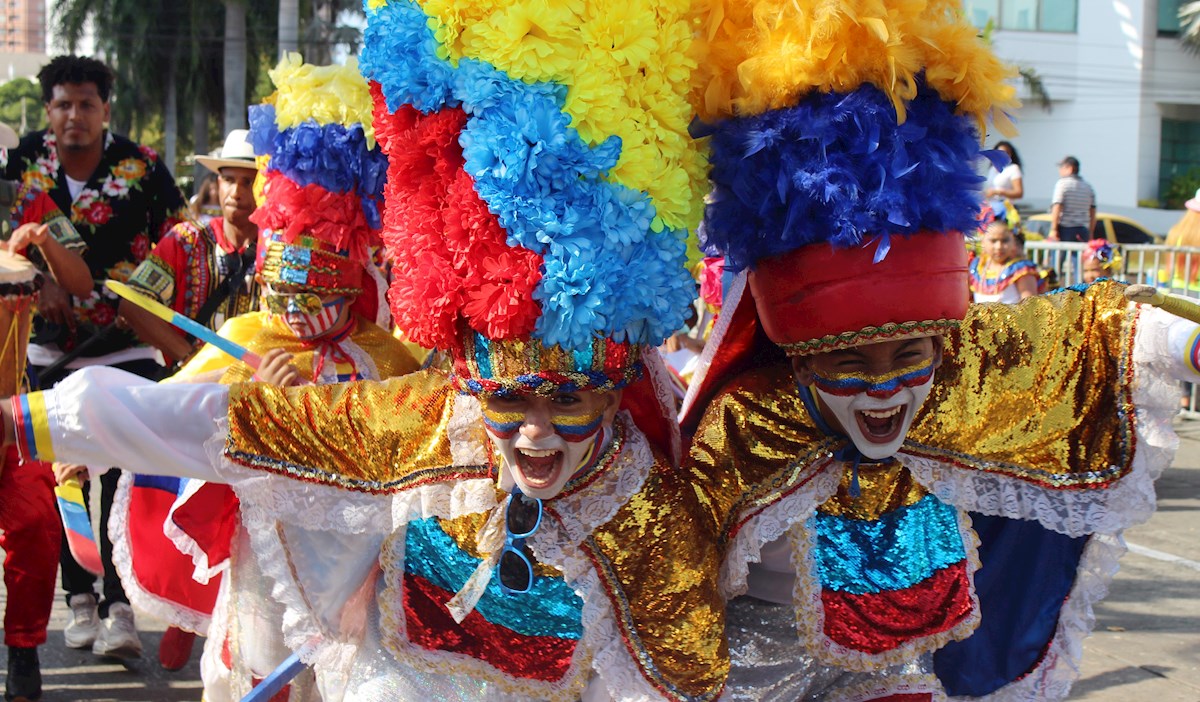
[{"x": 236, "y": 153}]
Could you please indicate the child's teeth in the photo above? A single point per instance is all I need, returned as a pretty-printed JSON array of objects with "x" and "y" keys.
[
  {"x": 882, "y": 414},
  {"x": 537, "y": 453}
]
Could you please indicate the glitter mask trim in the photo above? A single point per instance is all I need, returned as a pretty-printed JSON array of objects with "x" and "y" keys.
[
  {"x": 879, "y": 386},
  {"x": 485, "y": 366},
  {"x": 308, "y": 262}
]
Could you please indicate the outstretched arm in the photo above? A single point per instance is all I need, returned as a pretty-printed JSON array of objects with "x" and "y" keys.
[{"x": 103, "y": 416}]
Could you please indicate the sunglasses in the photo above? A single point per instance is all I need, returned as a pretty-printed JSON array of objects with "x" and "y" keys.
[
  {"x": 522, "y": 517},
  {"x": 281, "y": 303}
]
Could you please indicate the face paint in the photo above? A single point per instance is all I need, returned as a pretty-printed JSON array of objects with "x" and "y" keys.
[
  {"x": 541, "y": 467},
  {"x": 311, "y": 326},
  {"x": 876, "y": 411}
]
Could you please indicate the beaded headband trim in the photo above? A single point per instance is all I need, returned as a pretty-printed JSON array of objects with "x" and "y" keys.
[{"x": 870, "y": 335}]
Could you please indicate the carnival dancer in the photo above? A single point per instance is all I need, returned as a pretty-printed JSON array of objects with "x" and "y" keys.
[
  {"x": 318, "y": 222},
  {"x": 517, "y": 529},
  {"x": 999, "y": 273},
  {"x": 929, "y": 494}
]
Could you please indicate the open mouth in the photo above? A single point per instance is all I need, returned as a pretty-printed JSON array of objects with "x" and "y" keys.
[
  {"x": 539, "y": 467},
  {"x": 881, "y": 426}
]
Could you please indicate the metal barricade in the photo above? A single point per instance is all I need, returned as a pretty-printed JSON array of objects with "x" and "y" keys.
[{"x": 1173, "y": 269}]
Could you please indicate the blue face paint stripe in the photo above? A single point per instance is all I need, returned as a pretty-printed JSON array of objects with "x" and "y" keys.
[
  {"x": 580, "y": 430},
  {"x": 503, "y": 429},
  {"x": 550, "y": 608},
  {"x": 895, "y": 552},
  {"x": 860, "y": 385}
]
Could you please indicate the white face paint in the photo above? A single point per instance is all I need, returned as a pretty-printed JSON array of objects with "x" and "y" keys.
[
  {"x": 542, "y": 468},
  {"x": 544, "y": 442},
  {"x": 877, "y": 426}
]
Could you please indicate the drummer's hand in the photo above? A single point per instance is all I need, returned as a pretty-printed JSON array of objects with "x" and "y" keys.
[
  {"x": 276, "y": 369},
  {"x": 28, "y": 234},
  {"x": 65, "y": 471},
  {"x": 54, "y": 304}
]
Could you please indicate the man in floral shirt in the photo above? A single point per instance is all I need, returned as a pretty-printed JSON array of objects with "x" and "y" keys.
[{"x": 121, "y": 199}]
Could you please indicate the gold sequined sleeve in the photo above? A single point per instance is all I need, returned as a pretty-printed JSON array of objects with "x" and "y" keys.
[
  {"x": 664, "y": 592},
  {"x": 367, "y": 436},
  {"x": 1040, "y": 391}
]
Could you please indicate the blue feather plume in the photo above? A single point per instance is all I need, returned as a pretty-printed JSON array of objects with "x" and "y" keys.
[{"x": 838, "y": 168}]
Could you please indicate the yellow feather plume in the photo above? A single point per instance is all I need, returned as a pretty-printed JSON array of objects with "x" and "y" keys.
[{"x": 768, "y": 54}]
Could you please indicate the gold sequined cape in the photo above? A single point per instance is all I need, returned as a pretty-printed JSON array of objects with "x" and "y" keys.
[
  {"x": 1040, "y": 392},
  {"x": 654, "y": 557}
]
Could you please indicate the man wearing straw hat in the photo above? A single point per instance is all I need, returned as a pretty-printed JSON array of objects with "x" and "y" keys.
[{"x": 204, "y": 272}]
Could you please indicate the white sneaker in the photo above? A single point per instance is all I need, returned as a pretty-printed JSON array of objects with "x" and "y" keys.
[
  {"x": 82, "y": 622},
  {"x": 117, "y": 636}
]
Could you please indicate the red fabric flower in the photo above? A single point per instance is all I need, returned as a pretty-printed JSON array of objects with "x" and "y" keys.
[
  {"x": 140, "y": 247},
  {"x": 98, "y": 213},
  {"x": 451, "y": 259},
  {"x": 312, "y": 210}
]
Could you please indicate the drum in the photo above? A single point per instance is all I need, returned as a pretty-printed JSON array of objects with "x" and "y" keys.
[{"x": 19, "y": 284}]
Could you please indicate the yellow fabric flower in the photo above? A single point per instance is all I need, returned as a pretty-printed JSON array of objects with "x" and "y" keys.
[
  {"x": 327, "y": 94},
  {"x": 130, "y": 169}
]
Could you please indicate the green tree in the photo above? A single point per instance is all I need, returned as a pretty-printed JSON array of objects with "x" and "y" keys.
[
  {"x": 1189, "y": 23},
  {"x": 21, "y": 105}
]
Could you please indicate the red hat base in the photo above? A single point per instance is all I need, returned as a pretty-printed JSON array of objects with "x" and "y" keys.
[{"x": 818, "y": 298}]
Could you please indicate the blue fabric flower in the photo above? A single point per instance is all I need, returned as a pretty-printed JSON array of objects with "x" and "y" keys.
[{"x": 400, "y": 53}]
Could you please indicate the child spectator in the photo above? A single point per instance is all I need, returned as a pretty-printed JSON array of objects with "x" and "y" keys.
[{"x": 1000, "y": 273}]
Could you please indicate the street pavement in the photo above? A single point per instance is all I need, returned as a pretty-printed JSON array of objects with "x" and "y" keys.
[{"x": 1145, "y": 646}]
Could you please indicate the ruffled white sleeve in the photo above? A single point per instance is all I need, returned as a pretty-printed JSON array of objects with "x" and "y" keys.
[{"x": 103, "y": 416}]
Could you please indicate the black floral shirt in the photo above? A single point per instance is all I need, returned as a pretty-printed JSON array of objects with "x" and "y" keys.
[{"x": 127, "y": 205}]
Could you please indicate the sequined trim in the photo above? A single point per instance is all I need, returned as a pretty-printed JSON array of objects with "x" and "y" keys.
[
  {"x": 396, "y": 638},
  {"x": 810, "y": 614},
  {"x": 870, "y": 335}
]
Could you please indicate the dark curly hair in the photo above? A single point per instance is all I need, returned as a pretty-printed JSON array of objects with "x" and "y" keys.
[{"x": 75, "y": 69}]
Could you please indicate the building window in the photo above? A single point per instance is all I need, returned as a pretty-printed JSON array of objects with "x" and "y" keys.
[
  {"x": 1179, "y": 164},
  {"x": 1025, "y": 15},
  {"x": 1168, "y": 17}
]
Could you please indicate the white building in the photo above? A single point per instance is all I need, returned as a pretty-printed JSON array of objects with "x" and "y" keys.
[{"x": 1126, "y": 97}]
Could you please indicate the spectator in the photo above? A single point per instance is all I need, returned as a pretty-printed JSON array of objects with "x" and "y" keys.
[
  {"x": 121, "y": 199},
  {"x": 205, "y": 272},
  {"x": 1073, "y": 206},
  {"x": 205, "y": 205},
  {"x": 30, "y": 533},
  {"x": 1100, "y": 260},
  {"x": 1001, "y": 273},
  {"x": 1006, "y": 184}
]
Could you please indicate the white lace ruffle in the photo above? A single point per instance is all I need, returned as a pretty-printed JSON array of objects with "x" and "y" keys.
[
  {"x": 1052, "y": 678},
  {"x": 582, "y": 512},
  {"x": 660, "y": 380},
  {"x": 300, "y": 625},
  {"x": 202, "y": 570},
  {"x": 772, "y": 523},
  {"x": 557, "y": 544},
  {"x": 174, "y": 613}
]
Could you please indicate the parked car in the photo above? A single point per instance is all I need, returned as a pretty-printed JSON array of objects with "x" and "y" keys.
[{"x": 1113, "y": 227}]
